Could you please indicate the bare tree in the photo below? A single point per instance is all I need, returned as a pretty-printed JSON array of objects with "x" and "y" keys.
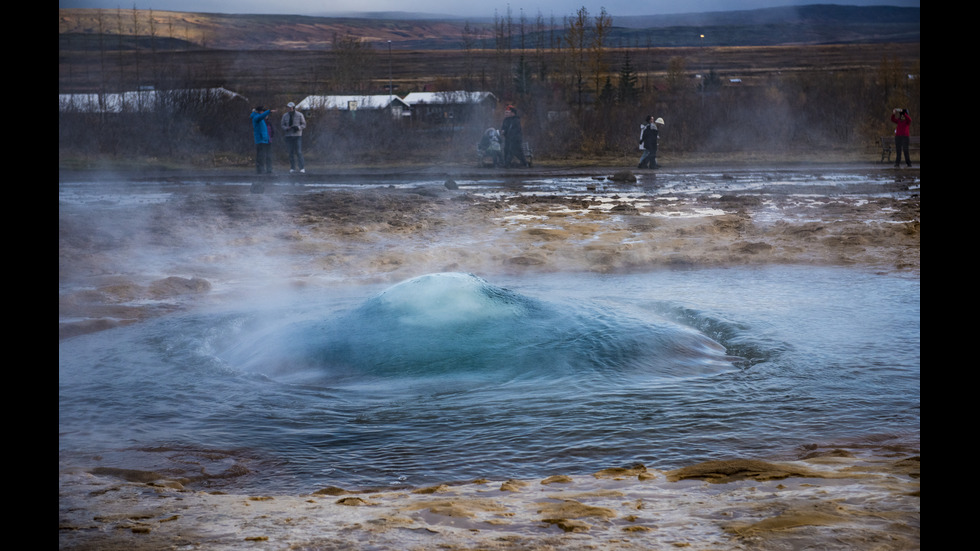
[
  {"x": 153, "y": 47},
  {"x": 469, "y": 42},
  {"x": 576, "y": 42},
  {"x": 501, "y": 36},
  {"x": 597, "y": 47},
  {"x": 676, "y": 80},
  {"x": 541, "y": 47},
  {"x": 119, "y": 36},
  {"x": 100, "y": 22},
  {"x": 136, "y": 57},
  {"x": 352, "y": 58}
]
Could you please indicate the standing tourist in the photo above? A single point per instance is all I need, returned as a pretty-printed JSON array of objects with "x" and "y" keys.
[
  {"x": 513, "y": 137},
  {"x": 649, "y": 140},
  {"x": 293, "y": 123},
  {"x": 260, "y": 131},
  {"x": 902, "y": 122}
]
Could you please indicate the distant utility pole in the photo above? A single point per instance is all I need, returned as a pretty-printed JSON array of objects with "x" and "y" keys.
[
  {"x": 389, "y": 74},
  {"x": 702, "y": 55},
  {"x": 704, "y": 78}
]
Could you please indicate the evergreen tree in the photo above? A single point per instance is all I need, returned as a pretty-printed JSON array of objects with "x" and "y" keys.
[
  {"x": 608, "y": 94},
  {"x": 627, "y": 92}
]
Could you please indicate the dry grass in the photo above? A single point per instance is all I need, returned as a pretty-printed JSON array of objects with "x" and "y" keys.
[{"x": 262, "y": 72}]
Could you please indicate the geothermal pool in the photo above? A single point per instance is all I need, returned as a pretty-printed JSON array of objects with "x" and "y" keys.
[
  {"x": 561, "y": 373},
  {"x": 350, "y": 361}
]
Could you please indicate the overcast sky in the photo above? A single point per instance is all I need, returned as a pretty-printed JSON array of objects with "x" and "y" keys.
[{"x": 530, "y": 8}]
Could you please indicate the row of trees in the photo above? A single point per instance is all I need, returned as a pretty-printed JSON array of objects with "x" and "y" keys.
[{"x": 576, "y": 95}]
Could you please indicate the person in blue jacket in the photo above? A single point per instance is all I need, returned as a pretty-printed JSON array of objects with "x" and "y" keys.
[{"x": 260, "y": 130}]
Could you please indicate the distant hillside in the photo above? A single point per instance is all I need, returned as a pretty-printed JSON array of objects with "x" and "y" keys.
[
  {"x": 810, "y": 24},
  {"x": 87, "y": 29},
  {"x": 812, "y": 14},
  {"x": 247, "y": 32}
]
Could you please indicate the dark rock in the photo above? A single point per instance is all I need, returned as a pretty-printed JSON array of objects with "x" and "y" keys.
[{"x": 623, "y": 176}]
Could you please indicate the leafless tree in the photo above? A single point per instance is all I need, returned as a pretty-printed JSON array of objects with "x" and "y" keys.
[
  {"x": 602, "y": 23},
  {"x": 353, "y": 57},
  {"x": 576, "y": 43}
]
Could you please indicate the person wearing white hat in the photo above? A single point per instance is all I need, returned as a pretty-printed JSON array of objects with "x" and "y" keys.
[
  {"x": 648, "y": 141},
  {"x": 293, "y": 123}
]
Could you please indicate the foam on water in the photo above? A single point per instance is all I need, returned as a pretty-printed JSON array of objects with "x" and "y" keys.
[
  {"x": 444, "y": 299},
  {"x": 461, "y": 325}
]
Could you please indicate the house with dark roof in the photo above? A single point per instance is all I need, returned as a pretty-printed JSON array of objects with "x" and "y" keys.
[{"x": 456, "y": 105}]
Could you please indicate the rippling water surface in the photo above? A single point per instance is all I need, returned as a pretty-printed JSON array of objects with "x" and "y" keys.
[{"x": 452, "y": 377}]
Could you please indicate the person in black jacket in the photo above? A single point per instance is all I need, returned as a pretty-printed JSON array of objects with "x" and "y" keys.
[
  {"x": 513, "y": 137},
  {"x": 649, "y": 139}
]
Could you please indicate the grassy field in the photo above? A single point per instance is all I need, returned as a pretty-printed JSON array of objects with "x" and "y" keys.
[{"x": 254, "y": 72}]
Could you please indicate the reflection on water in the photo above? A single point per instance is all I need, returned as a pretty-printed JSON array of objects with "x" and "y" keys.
[{"x": 451, "y": 377}]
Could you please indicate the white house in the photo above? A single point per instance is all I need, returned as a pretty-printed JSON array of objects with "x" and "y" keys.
[
  {"x": 392, "y": 103},
  {"x": 141, "y": 99},
  {"x": 458, "y": 97}
]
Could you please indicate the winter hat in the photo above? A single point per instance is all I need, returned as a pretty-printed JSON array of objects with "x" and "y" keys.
[{"x": 290, "y": 104}]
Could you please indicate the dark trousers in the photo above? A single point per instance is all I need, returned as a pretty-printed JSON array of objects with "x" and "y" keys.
[
  {"x": 263, "y": 158},
  {"x": 294, "y": 144},
  {"x": 515, "y": 149},
  {"x": 902, "y": 146}
]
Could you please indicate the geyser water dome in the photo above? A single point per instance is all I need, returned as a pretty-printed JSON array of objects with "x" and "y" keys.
[
  {"x": 460, "y": 325},
  {"x": 446, "y": 301}
]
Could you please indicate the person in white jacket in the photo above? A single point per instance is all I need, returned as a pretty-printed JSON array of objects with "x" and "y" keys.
[{"x": 293, "y": 123}]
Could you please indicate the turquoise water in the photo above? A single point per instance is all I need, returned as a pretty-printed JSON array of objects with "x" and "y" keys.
[{"x": 452, "y": 377}]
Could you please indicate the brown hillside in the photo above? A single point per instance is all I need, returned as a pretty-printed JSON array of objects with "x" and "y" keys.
[
  {"x": 259, "y": 32},
  {"x": 817, "y": 24}
]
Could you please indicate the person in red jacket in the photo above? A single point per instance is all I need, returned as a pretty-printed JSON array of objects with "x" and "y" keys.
[{"x": 902, "y": 122}]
